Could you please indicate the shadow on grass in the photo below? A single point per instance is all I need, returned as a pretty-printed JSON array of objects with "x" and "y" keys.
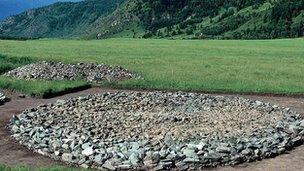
[
  {"x": 41, "y": 88},
  {"x": 51, "y": 93},
  {"x": 51, "y": 168},
  {"x": 36, "y": 88}
]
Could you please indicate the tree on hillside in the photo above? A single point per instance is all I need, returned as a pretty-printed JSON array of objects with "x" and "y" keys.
[
  {"x": 301, "y": 30},
  {"x": 160, "y": 34}
]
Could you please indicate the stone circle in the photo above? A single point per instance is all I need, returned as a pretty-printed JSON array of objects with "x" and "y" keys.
[
  {"x": 59, "y": 71},
  {"x": 158, "y": 130}
]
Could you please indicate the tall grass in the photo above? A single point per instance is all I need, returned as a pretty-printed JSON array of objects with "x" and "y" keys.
[{"x": 9, "y": 63}]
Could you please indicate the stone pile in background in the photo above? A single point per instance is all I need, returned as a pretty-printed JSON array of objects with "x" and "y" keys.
[
  {"x": 59, "y": 71},
  {"x": 158, "y": 130}
]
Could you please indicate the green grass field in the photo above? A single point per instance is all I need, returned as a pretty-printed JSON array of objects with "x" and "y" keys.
[{"x": 242, "y": 66}]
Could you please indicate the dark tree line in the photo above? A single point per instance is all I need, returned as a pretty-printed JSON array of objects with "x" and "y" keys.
[{"x": 278, "y": 21}]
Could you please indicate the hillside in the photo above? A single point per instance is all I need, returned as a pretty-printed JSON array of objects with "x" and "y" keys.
[
  {"x": 62, "y": 19},
  {"x": 224, "y": 19},
  {"x": 237, "y": 19}
]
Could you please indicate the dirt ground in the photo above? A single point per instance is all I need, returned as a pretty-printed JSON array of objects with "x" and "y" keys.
[{"x": 12, "y": 154}]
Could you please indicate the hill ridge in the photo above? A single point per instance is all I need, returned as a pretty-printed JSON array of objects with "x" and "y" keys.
[{"x": 229, "y": 19}]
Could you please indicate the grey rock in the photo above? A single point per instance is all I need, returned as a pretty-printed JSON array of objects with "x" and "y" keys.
[
  {"x": 108, "y": 165},
  {"x": 124, "y": 167},
  {"x": 166, "y": 162},
  {"x": 56, "y": 145},
  {"x": 15, "y": 128},
  {"x": 84, "y": 166},
  {"x": 258, "y": 103},
  {"x": 163, "y": 153},
  {"x": 294, "y": 130},
  {"x": 246, "y": 152},
  {"x": 65, "y": 146},
  {"x": 158, "y": 167},
  {"x": 213, "y": 157},
  {"x": 190, "y": 153},
  {"x": 82, "y": 161},
  {"x": 134, "y": 159},
  {"x": 236, "y": 159},
  {"x": 191, "y": 160},
  {"x": 99, "y": 159},
  {"x": 135, "y": 146},
  {"x": 155, "y": 157},
  {"x": 86, "y": 146},
  {"x": 297, "y": 140},
  {"x": 222, "y": 149},
  {"x": 67, "y": 157},
  {"x": 302, "y": 123}
]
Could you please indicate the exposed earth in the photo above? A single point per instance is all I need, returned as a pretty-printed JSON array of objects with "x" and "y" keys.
[{"x": 20, "y": 155}]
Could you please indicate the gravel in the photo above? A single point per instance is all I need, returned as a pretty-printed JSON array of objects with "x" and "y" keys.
[
  {"x": 158, "y": 130},
  {"x": 59, "y": 71}
]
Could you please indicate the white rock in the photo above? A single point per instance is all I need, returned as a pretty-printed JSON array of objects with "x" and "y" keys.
[
  {"x": 2, "y": 97},
  {"x": 84, "y": 166},
  {"x": 67, "y": 157},
  {"x": 88, "y": 151},
  {"x": 258, "y": 103},
  {"x": 57, "y": 153}
]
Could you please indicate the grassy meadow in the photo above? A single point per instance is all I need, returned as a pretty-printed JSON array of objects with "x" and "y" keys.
[{"x": 234, "y": 66}]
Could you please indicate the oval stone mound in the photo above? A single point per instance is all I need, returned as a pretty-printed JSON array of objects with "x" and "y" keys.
[{"x": 159, "y": 130}]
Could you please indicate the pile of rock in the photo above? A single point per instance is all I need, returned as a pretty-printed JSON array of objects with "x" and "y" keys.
[
  {"x": 2, "y": 98},
  {"x": 59, "y": 71},
  {"x": 158, "y": 130}
]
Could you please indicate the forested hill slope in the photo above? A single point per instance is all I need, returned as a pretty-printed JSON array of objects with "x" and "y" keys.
[
  {"x": 223, "y": 19},
  {"x": 62, "y": 19}
]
